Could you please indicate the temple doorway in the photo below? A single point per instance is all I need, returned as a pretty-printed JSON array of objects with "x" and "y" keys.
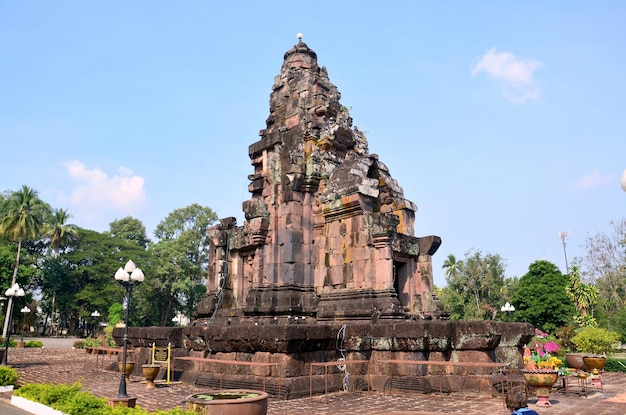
[{"x": 401, "y": 283}]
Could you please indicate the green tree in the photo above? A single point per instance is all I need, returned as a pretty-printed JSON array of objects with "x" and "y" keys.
[
  {"x": 54, "y": 278},
  {"x": 451, "y": 266},
  {"x": 25, "y": 273},
  {"x": 604, "y": 265},
  {"x": 58, "y": 231},
  {"x": 583, "y": 296},
  {"x": 22, "y": 219},
  {"x": 179, "y": 264},
  {"x": 116, "y": 313},
  {"x": 83, "y": 279},
  {"x": 453, "y": 302},
  {"x": 131, "y": 229},
  {"x": 475, "y": 286},
  {"x": 540, "y": 298}
]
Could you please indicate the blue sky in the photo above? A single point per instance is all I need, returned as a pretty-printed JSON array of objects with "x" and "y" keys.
[{"x": 503, "y": 121}]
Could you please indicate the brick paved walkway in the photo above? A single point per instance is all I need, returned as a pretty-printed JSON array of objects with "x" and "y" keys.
[{"x": 69, "y": 366}]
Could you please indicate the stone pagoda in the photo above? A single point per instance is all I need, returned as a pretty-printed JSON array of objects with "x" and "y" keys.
[{"x": 328, "y": 233}]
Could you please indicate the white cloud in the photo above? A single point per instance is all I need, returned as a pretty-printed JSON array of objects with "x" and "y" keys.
[
  {"x": 515, "y": 75},
  {"x": 592, "y": 180},
  {"x": 96, "y": 194}
]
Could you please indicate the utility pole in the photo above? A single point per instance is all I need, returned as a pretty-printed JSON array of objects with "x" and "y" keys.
[{"x": 564, "y": 236}]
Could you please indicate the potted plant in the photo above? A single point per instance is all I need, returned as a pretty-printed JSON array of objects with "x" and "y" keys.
[
  {"x": 542, "y": 366},
  {"x": 8, "y": 378},
  {"x": 540, "y": 352},
  {"x": 88, "y": 344}
]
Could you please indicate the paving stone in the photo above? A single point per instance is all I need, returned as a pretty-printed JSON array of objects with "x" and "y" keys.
[{"x": 93, "y": 372}]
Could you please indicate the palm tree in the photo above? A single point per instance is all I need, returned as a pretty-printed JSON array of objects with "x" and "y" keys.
[
  {"x": 451, "y": 266},
  {"x": 58, "y": 231},
  {"x": 22, "y": 220}
]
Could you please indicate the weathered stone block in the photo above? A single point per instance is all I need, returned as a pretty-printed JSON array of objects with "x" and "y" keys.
[
  {"x": 289, "y": 235},
  {"x": 291, "y": 252},
  {"x": 291, "y": 272}
]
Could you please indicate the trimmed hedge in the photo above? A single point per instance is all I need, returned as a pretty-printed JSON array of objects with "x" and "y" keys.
[
  {"x": 12, "y": 342},
  {"x": 72, "y": 401},
  {"x": 8, "y": 376},
  {"x": 615, "y": 365}
]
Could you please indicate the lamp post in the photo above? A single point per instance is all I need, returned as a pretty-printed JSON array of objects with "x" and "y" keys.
[
  {"x": 128, "y": 277},
  {"x": 508, "y": 309},
  {"x": 24, "y": 311},
  {"x": 95, "y": 316},
  {"x": 564, "y": 236},
  {"x": 14, "y": 291}
]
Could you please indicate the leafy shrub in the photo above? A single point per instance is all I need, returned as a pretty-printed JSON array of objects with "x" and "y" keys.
[
  {"x": 82, "y": 403},
  {"x": 8, "y": 376},
  {"x": 92, "y": 342},
  {"x": 565, "y": 334},
  {"x": 79, "y": 344},
  {"x": 108, "y": 337},
  {"x": 72, "y": 401},
  {"x": 33, "y": 343},
  {"x": 12, "y": 343},
  {"x": 47, "y": 394},
  {"x": 116, "y": 313},
  {"x": 595, "y": 340},
  {"x": 615, "y": 365}
]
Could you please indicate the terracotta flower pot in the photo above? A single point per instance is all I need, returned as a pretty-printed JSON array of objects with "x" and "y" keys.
[
  {"x": 541, "y": 381},
  {"x": 229, "y": 402}
]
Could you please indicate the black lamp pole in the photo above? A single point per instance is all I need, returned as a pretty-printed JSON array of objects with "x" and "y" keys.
[
  {"x": 24, "y": 311},
  {"x": 95, "y": 316},
  {"x": 128, "y": 277},
  {"x": 14, "y": 291},
  {"x": 507, "y": 308}
]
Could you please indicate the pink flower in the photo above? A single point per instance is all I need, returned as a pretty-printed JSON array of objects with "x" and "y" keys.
[{"x": 551, "y": 347}]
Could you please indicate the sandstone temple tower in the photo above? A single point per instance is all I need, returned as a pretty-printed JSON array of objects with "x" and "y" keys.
[
  {"x": 328, "y": 233},
  {"x": 325, "y": 268}
]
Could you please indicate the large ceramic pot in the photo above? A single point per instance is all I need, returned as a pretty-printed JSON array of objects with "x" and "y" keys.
[
  {"x": 150, "y": 372},
  {"x": 228, "y": 402},
  {"x": 541, "y": 381},
  {"x": 130, "y": 366},
  {"x": 575, "y": 361},
  {"x": 594, "y": 362}
]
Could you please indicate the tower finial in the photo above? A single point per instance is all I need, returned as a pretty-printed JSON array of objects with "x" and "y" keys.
[{"x": 299, "y": 37}]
